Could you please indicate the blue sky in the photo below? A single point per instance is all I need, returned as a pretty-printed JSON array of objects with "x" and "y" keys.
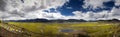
[{"x": 77, "y": 5}]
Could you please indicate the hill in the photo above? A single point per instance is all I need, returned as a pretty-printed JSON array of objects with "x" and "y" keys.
[{"x": 45, "y": 20}]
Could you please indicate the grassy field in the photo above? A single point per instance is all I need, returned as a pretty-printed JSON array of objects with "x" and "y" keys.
[{"x": 82, "y": 29}]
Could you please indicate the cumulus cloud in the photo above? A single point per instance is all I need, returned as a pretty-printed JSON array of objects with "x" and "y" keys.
[
  {"x": 90, "y": 15},
  {"x": 104, "y": 15},
  {"x": 117, "y": 2},
  {"x": 94, "y": 3},
  {"x": 28, "y": 9},
  {"x": 2, "y": 5},
  {"x": 31, "y": 9},
  {"x": 98, "y": 3}
]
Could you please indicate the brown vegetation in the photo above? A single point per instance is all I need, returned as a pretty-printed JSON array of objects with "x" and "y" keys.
[{"x": 5, "y": 33}]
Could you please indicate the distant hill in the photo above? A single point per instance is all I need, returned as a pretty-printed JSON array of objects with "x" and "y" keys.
[
  {"x": 45, "y": 20},
  {"x": 62, "y": 20},
  {"x": 112, "y": 20},
  {"x": 29, "y": 20}
]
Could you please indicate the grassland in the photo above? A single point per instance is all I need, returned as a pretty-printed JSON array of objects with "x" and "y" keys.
[{"x": 82, "y": 29}]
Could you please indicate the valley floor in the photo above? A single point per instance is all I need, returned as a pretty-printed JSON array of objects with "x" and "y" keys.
[{"x": 82, "y": 29}]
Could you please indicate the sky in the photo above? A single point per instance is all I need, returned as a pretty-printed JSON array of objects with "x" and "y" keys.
[{"x": 59, "y": 9}]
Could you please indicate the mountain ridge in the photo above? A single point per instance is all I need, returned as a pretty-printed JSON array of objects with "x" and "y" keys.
[{"x": 62, "y": 20}]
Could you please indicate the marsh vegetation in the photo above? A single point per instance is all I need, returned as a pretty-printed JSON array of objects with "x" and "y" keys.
[{"x": 81, "y": 29}]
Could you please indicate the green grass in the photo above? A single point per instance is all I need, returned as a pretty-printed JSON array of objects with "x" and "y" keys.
[{"x": 93, "y": 29}]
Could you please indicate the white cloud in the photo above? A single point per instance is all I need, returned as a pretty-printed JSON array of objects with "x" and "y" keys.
[
  {"x": 117, "y": 2},
  {"x": 104, "y": 15},
  {"x": 94, "y": 3},
  {"x": 115, "y": 13},
  {"x": 31, "y": 5},
  {"x": 30, "y": 9}
]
